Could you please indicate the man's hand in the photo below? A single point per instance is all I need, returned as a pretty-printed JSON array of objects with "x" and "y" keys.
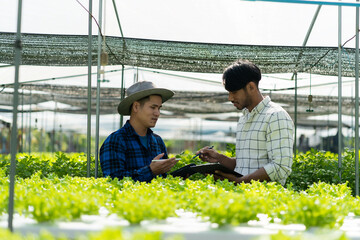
[
  {"x": 208, "y": 155},
  {"x": 219, "y": 175},
  {"x": 258, "y": 175},
  {"x": 163, "y": 165}
]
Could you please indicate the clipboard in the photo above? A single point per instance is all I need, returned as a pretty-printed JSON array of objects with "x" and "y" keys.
[
  {"x": 184, "y": 172},
  {"x": 208, "y": 168}
]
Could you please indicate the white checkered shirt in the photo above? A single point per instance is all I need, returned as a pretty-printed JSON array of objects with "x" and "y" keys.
[{"x": 264, "y": 138}]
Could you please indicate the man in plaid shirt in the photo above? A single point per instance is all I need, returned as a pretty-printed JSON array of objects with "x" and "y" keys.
[
  {"x": 264, "y": 136},
  {"x": 134, "y": 150}
]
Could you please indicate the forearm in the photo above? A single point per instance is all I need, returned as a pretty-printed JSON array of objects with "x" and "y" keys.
[
  {"x": 227, "y": 161},
  {"x": 258, "y": 175}
]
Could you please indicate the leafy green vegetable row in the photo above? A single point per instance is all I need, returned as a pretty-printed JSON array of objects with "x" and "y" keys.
[
  {"x": 50, "y": 164},
  {"x": 220, "y": 202},
  {"x": 314, "y": 166},
  {"x": 308, "y": 168}
]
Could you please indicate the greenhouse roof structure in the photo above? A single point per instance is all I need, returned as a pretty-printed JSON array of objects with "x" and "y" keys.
[
  {"x": 71, "y": 50},
  {"x": 183, "y": 102}
]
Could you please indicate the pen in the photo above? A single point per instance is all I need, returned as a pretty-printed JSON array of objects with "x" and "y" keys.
[
  {"x": 160, "y": 160},
  {"x": 200, "y": 153}
]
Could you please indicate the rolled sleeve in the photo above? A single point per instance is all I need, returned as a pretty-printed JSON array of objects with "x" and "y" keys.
[{"x": 280, "y": 147}]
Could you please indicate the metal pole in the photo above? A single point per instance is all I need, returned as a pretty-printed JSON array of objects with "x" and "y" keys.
[
  {"x": 22, "y": 121},
  {"x": 45, "y": 126},
  {"x": 295, "y": 72},
  {"x": 339, "y": 95},
  {"x": 98, "y": 91},
  {"x": 42, "y": 139},
  {"x": 307, "y": 35},
  {"x": 312, "y": 25},
  {"x": 357, "y": 105},
  {"x": 122, "y": 94},
  {"x": 54, "y": 126},
  {"x": 60, "y": 138},
  {"x": 118, "y": 20},
  {"x": 295, "y": 115},
  {"x": 316, "y": 2},
  {"x": 26, "y": 119},
  {"x": 88, "y": 146},
  {"x": 14, "y": 133},
  {"x": 29, "y": 136}
]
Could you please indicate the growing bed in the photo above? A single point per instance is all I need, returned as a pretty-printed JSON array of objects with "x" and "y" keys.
[{"x": 199, "y": 208}]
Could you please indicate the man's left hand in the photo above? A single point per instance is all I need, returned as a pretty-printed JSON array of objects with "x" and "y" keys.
[{"x": 219, "y": 175}]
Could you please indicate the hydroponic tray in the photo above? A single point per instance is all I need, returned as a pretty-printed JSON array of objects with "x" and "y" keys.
[{"x": 187, "y": 225}]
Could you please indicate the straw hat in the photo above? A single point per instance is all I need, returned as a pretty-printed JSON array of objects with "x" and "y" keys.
[{"x": 140, "y": 90}]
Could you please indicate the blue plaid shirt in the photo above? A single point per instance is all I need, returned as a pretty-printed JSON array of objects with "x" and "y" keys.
[{"x": 123, "y": 155}]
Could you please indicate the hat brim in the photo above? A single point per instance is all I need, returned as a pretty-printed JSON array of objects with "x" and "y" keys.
[{"x": 125, "y": 104}]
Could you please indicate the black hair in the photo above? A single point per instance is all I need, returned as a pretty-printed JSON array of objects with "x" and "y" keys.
[
  {"x": 142, "y": 101},
  {"x": 239, "y": 74}
]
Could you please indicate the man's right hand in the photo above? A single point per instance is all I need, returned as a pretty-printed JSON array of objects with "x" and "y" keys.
[
  {"x": 162, "y": 166},
  {"x": 208, "y": 155},
  {"x": 212, "y": 156}
]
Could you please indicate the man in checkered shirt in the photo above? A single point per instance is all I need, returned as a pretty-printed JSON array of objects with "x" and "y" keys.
[{"x": 264, "y": 136}]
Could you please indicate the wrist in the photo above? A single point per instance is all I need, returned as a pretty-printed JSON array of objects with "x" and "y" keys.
[
  {"x": 240, "y": 180},
  {"x": 220, "y": 159}
]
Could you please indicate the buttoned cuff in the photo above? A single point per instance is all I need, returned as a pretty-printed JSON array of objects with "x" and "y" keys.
[{"x": 145, "y": 174}]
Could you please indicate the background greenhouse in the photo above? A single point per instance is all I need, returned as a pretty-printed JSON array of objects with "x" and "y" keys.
[{"x": 61, "y": 97}]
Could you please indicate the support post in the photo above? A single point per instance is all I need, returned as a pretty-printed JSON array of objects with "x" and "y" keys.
[
  {"x": 339, "y": 95},
  {"x": 357, "y": 104},
  {"x": 29, "y": 128},
  {"x": 295, "y": 115},
  {"x": 295, "y": 72},
  {"x": 98, "y": 92},
  {"x": 88, "y": 138},
  {"x": 14, "y": 130},
  {"x": 122, "y": 95}
]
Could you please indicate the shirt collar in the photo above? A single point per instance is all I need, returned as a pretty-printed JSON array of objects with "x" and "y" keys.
[
  {"x": 258, "y": 107},
  {"x": 131, "y": 131}
]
